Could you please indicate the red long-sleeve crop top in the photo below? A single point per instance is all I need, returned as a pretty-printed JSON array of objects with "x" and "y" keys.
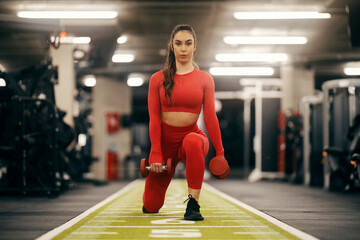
[{"x": 191, "y": 91}]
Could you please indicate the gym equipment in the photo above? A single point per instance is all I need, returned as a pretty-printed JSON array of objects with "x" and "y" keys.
[
  {"x": 349, "y": 159},
  {"x": 35, "y": 156},
  {"x": 169, "y": 168},
  {"x": 31, "y": 158},
  {"x": 219, "y": 167},
  {"x": 266, "y": 93},
  {"x": 354, "y": 154},
  {"x": 81, "y": 154},
  {"x": 311, "y": 108},
  {"x": 30, "y": 130},
  {"x": 293, "y": 147},
  {"x": 355, "y": 162},
  {"x": 341, "y": 106}
]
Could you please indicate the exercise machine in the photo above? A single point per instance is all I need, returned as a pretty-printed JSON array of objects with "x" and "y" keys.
[{"x": 341, "y": 106}]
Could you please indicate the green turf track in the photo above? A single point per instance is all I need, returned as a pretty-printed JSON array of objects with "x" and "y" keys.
[{"x": 120, "y": 217}]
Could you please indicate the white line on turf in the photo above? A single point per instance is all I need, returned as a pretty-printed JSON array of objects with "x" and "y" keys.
[
  {"x": 282, "y": 225},
  {"x": 75, "y": 220},
  {"x": 107, "y": 221},
  {"x": 256, "y": 233},
  {"x": 120, "y": 204},
  {"x": 234, "y": 212},
  {"x": 92, "y": 233},
  {"x": 224, "y": 209},
  {"x": 245, "y": 220},
  {"x": 165, "y": 215},
  {"x": 220, "y": 208},
  {"x": 206, "y": 239},
  {"x": 111, "y": 212},
  {"x": 166, "y": 226},
  {"x": 123, "y": 208}
]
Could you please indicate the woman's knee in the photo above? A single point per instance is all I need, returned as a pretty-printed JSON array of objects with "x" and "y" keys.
[
  {"x": 194, "y": 142},
  {"x": 153, "y": 205},
  {"x": 153, "y": 200},
  {"x": 156, "y": 185}
]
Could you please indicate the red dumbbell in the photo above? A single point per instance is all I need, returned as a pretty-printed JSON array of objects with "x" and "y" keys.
[
  {"x": 169, "y": 167},
  {"x": 219, "y": 167}
]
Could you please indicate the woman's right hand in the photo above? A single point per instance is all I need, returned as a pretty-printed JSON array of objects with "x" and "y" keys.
[{"x": 156, "y": 167}]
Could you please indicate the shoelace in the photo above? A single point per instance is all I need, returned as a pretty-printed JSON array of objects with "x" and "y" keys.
[{"x": 189, "y": 196}]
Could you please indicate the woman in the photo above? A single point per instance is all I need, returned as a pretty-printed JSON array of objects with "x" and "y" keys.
[{"x": 176, "y": 95}]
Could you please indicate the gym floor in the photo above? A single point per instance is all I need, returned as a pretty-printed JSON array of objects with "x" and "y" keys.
[{"x": 325, "y": 215}]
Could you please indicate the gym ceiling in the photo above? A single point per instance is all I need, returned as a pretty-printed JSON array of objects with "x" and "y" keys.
[{"x": 147, "y": 26}]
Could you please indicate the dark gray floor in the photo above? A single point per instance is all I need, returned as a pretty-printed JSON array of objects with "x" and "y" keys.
[
  {"x": 30, "y": 217},
  {"x": 312, "y": 210},
  {"x": 326, "y": 215}
]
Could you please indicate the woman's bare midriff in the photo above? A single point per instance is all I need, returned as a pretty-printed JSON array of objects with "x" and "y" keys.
[{"x": 179, "y": 119}]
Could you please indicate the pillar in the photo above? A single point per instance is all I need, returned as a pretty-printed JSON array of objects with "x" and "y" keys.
[
  {"x": 298, "y": 82},
  {"x": 64, "y": 90},
  {"x": 110, "y": 95}
]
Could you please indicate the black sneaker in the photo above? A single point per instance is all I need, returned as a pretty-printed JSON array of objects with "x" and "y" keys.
[
  {"x": 192, "y": 210},
  {"x": 145, "y": 211}
]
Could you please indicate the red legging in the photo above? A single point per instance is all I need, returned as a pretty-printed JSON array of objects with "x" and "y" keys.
[{"x": 182, "y": 143}]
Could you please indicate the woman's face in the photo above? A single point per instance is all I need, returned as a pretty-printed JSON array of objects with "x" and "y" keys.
[{"x": 183, "y": 46}]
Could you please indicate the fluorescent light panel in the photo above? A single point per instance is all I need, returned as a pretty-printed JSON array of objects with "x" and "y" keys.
[
  {"x": 218, "y": 105},
  {"x": 74, "y": 40},
  {"x": 119, "y": 57},
  {"x": 252, "y": 40},
  {"x": 78, "y": 54},
  {"x": 122, "y": 39},
  {"x": 81, "y": 40},
  {"x": 2, "y": 68},
  {"x": 251, "y": 57},
  {"x": 82, "y": 140},
  {"x": 90, "y": 81},
  {"x": 68, "y": 14},
  {"x": 280, "y": 15},
  {"x": 263, "y": 81},
  {"x": 352, "y": 71},
  {"x": 242, "y": 71},
  {"x": 135, "y": 81},
  {"x": 2, "y": 82}
]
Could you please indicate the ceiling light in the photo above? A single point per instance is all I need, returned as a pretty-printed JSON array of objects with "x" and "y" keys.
[
  {"x": 218, "y": 105},
  {"x": 89, "y": 81},
  {"x": 264, "y": 40},
  {"x": 119, "y": 57},
  {"x": 81, "y": 40},
  {"x": 251, "y": 57},
  {"x": 163, "y": 52},
  {"x": 352, "y": 71},
  {"x": 242, "y": 71},
  {"x": 2, "y": 68},
  {"x": 280, "y": 15},
  {"x": 263, "y": 81},
  {"x": 78, "y": 54},
  {"x": 68, "y": 14},
  {"x": 74, "y": 40},
  {"x": 2, "y": 82},
  {"x": 82, "y": 139},
  {"x": 135, "y": 81},
  {"x": 122, "y": 39}
]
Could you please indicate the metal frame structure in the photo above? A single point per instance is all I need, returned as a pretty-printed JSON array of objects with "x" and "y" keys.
[
  {"x": 326, "y": 87},
  {"x": 254, "y": 89},
  {"x": 305, "y": 111}
]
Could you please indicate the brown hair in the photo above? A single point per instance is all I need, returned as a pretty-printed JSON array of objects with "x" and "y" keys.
[{"x": 170, "y": 64}]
